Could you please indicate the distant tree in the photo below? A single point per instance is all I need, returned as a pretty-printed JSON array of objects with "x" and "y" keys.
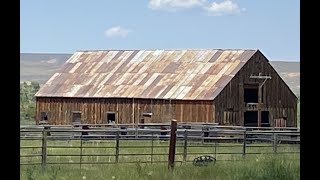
[{"x": 27, "y": 100}]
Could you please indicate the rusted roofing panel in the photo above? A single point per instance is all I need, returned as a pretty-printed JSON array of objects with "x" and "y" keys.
[
  {"x": 105, "y": 78},
  {"x": 184, "y": 92},
  {"x": 205, "y": 68},
  {"x": 233, "y": 65},
  {"x": 196, "y": 93},
  {"x": 81, "y": 90},
  {"x": 246, "y": 55},
  {"x": 202, "y": 93},
  {"x": 81, "y": 58},
  {"x": 112, "y": 55},
  {"x": 89, "y": 67},
  {"x": 111, "y": 91},
  {"x": 177, "y": 92},
  {"x": 237, "y": 68},
  {"x": 222, "y": 81},
  {"x": 165, "y": 91},
  {"x": 170, "y": 68},
  {"x": 224, "y": 70},
  {"x": 178, "y": 56},
  {"x": 70, "y": 79},
  {"x": 197, "y": 80},
  {"x": 212, "y": 82},
  {"x": 101, "y": 55},
  {"x": 157, "y": 91},
  {"x": 98, "y": 91},
  {"x": 96, "y": 67},
  {"x": 187, "y": 56},
  {"x": 214, "y": 93},
  {"x": 74, "y": 57},
  {"x": 145, "y": 79},
  {"x": 188, "y": 78},
  {"x": 175, "y": 74},
  {"x": 167, "y": 55},
  {"x": 80, "y": 69},
  {"x": 215, "y": 69},
  {"x": 209, "y": 93},
  {"x": 182, "y": 68},
  {"x": 55, "y": 88},
  {"x": 138, "y": 91},
  {"x": 215, "y": 56},
  {"x": 113, "y": 78}
]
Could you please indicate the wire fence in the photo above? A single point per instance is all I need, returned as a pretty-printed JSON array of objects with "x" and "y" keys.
[{"x": 49, "y": 145}]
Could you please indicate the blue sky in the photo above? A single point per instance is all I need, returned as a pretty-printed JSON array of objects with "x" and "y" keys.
[{"x": 61, "y": 26}]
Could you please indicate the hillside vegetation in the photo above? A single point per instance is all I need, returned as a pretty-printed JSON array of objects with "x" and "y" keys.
[{"x": 27, "y": 101}]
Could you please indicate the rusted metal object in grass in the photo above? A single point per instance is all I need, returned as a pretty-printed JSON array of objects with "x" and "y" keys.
[{"x": 204, "y": 160}]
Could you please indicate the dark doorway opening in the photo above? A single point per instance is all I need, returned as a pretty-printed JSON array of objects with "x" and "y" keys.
[
  {"x": 251, "y": 118},
  {"x": 44, "y": 116},
  {"x": 251, "y": 95},
  {"x": 265, "y": 119},
  {"x": 76, "y": 117},
  {"x": 111, "y": 117}
]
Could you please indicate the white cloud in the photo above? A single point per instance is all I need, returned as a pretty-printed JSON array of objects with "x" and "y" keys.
[
  {"x": 226, "y": 7},
  {"x": 175, "y": 4},
  {"x": 213, "y": 8},
  {"x": 117, "y": 31}
]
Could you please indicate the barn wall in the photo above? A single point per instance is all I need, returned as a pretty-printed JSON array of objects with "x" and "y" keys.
[
  {"x": 277, "y": 97},
  {"x": 127, "y": 110}
]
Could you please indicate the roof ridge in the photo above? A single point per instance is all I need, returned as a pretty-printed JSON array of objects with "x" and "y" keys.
[{"x": 178, "y": 49}]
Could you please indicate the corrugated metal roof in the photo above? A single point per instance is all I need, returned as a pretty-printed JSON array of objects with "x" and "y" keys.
[{"x": 167, "y": 74}]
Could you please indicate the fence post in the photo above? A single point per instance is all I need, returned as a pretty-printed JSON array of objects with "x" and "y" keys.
[
  {"x": 275, "y": 142},
  {"x": 81, "y": 150},
  {"x": 172, "y": 147},
  {"x": 44, "y": 149},
  {"x": 151, "y": 147},
  {"x": 185, "y": 146},
  {"x": 244, "y": 142},
  {"x": 117, "y": 147},
  {"x": 202, "y": 135}
]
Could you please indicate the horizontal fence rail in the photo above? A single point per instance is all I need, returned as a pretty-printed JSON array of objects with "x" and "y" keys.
[{"x": 101, "y": 144}]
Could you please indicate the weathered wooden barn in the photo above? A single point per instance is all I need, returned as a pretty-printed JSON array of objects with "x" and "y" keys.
[{"x": 226, "y": 86}]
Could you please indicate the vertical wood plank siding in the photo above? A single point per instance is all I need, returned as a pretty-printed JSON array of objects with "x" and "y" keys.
[
  {"x": 94, "y": 110},
  {"x": 277, "y": 97}
]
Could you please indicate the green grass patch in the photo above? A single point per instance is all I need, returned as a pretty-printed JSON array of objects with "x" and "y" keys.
[{"x": 228, "y": 166}]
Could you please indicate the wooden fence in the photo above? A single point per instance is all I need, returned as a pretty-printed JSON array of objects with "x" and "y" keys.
[{"x": 46, "y": 145}]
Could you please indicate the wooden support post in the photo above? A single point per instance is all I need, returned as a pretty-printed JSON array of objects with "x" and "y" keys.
[
  {"x": 151, "y": 148},
  {"x": 259, "y": 106},
  {"x": 275, "y": 142},
  {"x": 185, "y": 146},
  {"x": 117, "y": 147},
  {"x": 81, "y": 149},
  {"x": 172, "y": 147},
  {"x": 244, "y": 143},
  {"x": 44, "y": 149}
]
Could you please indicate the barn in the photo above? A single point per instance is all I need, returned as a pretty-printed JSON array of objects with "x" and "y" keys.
[{"x": 225, "y": 86}]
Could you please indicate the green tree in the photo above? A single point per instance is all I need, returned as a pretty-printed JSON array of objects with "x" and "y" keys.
[{"x": 27, "y": 100}]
